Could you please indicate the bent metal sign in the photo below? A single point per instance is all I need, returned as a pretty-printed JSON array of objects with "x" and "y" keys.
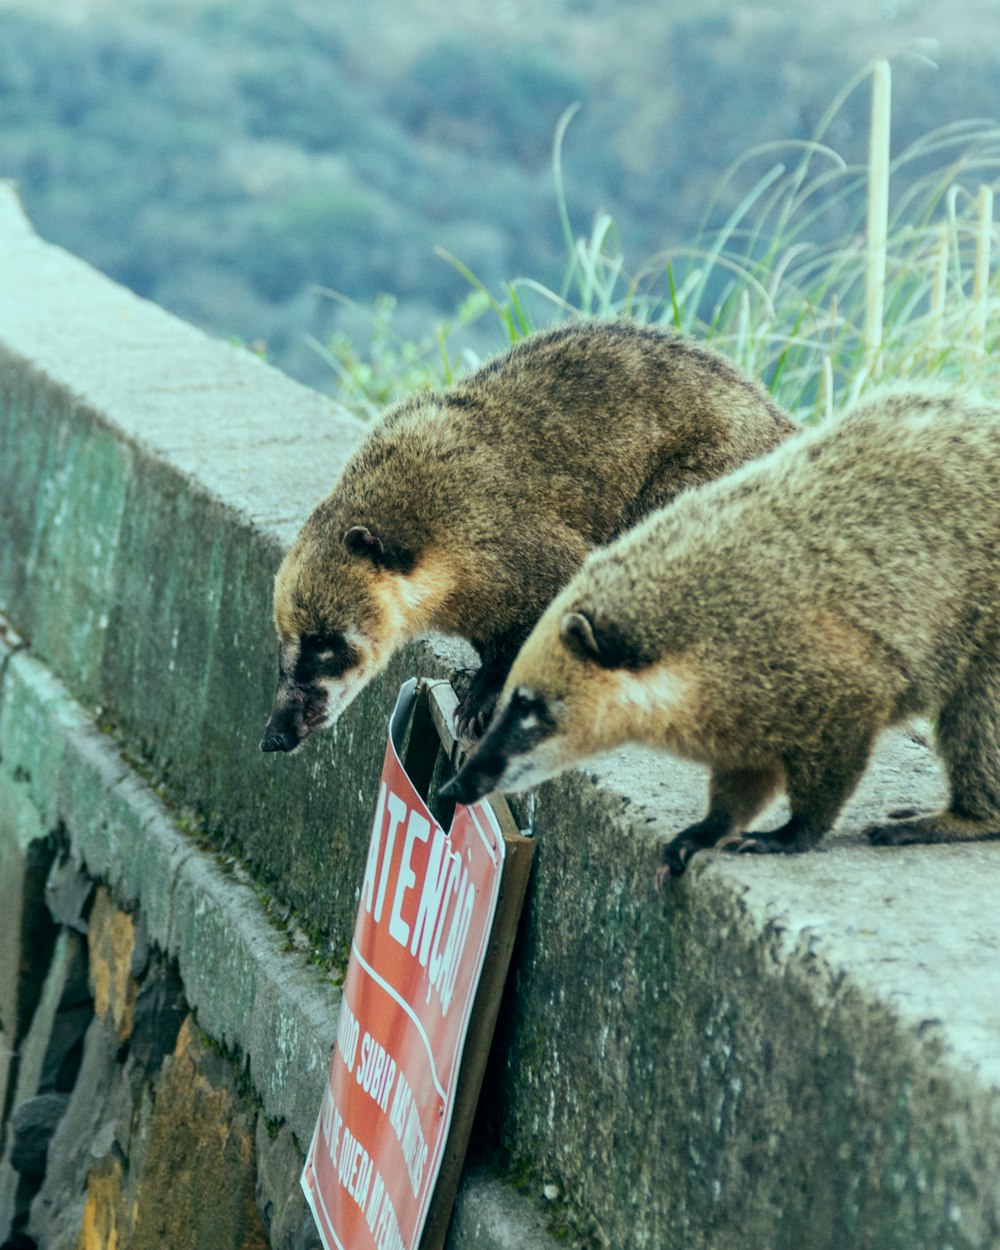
[{"x": 427, "y": 904}]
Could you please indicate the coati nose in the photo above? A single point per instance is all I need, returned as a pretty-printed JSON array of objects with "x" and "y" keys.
[
  {"x": 466, "y": 788},
  {"x": 277, "y": 738}
]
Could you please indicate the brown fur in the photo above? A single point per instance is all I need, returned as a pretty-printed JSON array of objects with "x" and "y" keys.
[
  {"x": 778, "y": 621},
  {"x": 477, "y": 504}
]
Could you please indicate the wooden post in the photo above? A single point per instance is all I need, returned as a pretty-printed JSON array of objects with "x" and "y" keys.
[{"x": 876, "y": 251}]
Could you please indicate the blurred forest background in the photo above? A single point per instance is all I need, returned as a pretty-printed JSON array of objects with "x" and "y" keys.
[{"x": 226, "y": 159}]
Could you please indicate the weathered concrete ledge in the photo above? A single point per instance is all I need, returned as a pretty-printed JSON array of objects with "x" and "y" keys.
[
  {"x": 771, "y": 1053},
  {"x": 247, "y": 993}
]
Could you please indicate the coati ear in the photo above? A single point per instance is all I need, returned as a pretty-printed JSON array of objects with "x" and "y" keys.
[
  {"x": 363, "y": 542},
  {"x": 603, "y": 644},
  {"x": 577, "y": 632},
  {"x": 394, "y": 557}
]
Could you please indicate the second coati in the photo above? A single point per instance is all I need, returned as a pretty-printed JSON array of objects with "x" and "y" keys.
[
  {"x": 772, "y": 624},
  {"x": 465, "y": 511}
]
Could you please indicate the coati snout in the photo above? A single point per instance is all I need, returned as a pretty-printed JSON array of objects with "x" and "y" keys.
[
  {"x": 297, "y": 712},
  {"x": 313, "y": 669},
  {"x": 510, "y": 756},
  {"x": 580, "y": 686},
  {"x": 334, "y": 606}
]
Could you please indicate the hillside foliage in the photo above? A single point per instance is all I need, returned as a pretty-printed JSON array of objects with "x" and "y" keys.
[{"x": 229, "y": 160}]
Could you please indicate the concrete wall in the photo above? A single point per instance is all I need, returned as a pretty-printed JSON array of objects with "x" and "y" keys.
[{"x": 800, "y": 1053}]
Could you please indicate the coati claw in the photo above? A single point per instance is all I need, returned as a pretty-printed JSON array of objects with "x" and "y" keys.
[
  {"x": 757, "y": 846},
  {"x": 468, "y": 729},
  {"x": 675, "y": 860},
  {"x": 736, "y": 844},
  {"x": 676, "y": 854},
  {"x": 474, "y": 713}
]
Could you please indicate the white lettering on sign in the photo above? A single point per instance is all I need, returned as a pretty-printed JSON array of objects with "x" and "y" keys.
[
  {"x": 401, "y": 1101},
  {"x": 386, "y": 1229},
  {"x": 461, "y": 919},
  {"x": 445, "y": 895},
  {"x": 375, "y": 1200},
  {"x": 444, "y": 963},
  {"x": 418, "y": 828},
  {"x": 397, "y": 810},
  {"x": 376, "y": 1070},
  {"x": 414, "y": 1146},
  {"x": 405, "y": 1121},
  {"x": 354, "y": 1168},
  {"x": 331, "y": 1122},
  {"x": 430, "y": 897}
]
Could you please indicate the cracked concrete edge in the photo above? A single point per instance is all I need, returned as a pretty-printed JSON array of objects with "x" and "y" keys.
[{"x": 264, "y": 1004}]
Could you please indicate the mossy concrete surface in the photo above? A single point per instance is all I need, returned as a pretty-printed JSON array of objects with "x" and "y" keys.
[{"x": 798, "y": 1053}]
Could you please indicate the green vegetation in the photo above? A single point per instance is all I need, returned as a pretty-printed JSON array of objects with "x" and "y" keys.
[
  {"x": 820, "y": 317},
  {"x": 233, "y": 162},
  {"x": 227, "y": 166}
]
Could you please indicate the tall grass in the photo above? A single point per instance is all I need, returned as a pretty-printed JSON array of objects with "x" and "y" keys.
[{"x": 823, "y": 278}]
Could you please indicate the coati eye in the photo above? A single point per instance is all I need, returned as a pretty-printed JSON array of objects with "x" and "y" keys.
[
  {"x": 324, "y": 655},
  {"x": 320, "y": 645},
  {"x": 524, "y": 704},
  {"x": 529, "y": 719}
]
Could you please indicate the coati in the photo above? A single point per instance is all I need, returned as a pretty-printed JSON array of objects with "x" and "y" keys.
[
  {"x": 769, "y": 625},
  {"x": 465, "y": 510}
]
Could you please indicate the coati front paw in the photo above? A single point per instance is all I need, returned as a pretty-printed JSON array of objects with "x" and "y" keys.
[
  {"x": 756, "y": 844},
  {"x": 698, "y": 837},
  {"x": 475, "y": 711},
  {"x": 675, "y": 859}
]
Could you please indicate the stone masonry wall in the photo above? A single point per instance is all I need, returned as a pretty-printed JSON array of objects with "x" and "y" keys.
[{"x": 130, "y": 1127}]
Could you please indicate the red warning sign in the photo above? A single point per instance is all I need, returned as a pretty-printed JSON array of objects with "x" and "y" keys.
[{"x": 424, "y": 917}]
